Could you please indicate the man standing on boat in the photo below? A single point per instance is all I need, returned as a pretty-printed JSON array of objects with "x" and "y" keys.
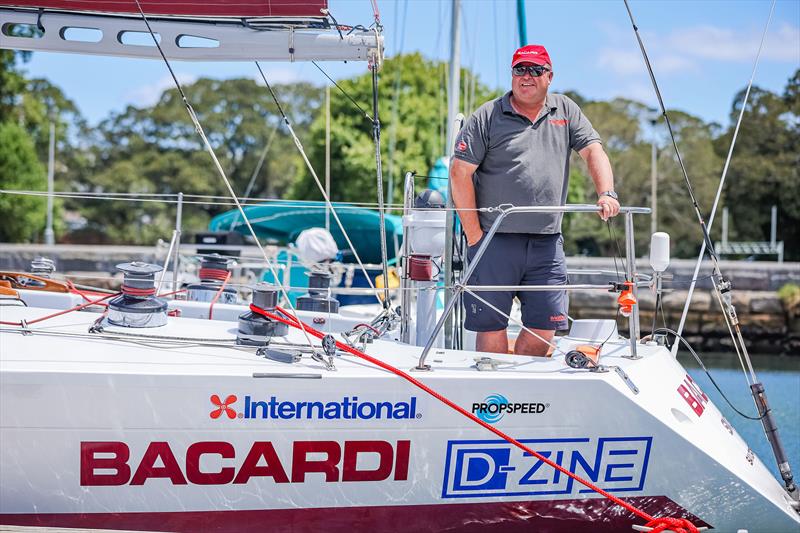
[{"x": 515, "y": 150}]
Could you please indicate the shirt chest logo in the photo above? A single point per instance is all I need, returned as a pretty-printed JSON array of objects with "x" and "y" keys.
[{"x": 558, "y": 121}]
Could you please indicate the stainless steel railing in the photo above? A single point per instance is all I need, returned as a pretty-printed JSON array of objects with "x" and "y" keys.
[{"x": 505, "y": 211}]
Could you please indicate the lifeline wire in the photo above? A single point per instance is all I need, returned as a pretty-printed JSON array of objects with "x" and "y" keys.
[
  {"x": 700, "y": 362},
  {"x": 217, "y": 164},
  {"x": 319, "y": 184}
]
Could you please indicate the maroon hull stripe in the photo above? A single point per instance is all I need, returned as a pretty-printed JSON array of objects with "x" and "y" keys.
[
  {"x": 587, "y": 515},
  {"x": 198, "y": 8}
]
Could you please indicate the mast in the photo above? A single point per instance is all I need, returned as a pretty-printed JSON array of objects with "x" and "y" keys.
[
  {"x": 522, "y": 25},
  {"x": 452, "y": 111},
  {"x": 454, "y": 86}
]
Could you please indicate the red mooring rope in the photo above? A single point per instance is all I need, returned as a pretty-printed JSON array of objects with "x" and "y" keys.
[
  {"x": 215, "y": 274},
  {"x": 136, "y": 291},
  {"x": 64, "y": 312},
  {"x": 659, "y": 524},
  {"x": 218, "y": 294}
]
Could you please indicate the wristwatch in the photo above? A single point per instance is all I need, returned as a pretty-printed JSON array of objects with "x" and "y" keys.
[{"x": 610, "y": 194}]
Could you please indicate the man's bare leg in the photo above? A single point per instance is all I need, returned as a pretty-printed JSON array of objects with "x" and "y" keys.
[
  {"x": 492, "y": 341},
  {"x": 528, "y": 344}
]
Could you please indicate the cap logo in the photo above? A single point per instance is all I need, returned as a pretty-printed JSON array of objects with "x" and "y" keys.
[{"x": 532, "y": 52}]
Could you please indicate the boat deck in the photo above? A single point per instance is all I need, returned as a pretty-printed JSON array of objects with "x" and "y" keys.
[{"x": 200, "y": 347}]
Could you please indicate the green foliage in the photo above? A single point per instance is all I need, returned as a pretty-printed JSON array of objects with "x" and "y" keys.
[
  {"x": 416, "y": 130},
  {"x": 623, "y": 125},
  {"x": 23, "y": 216},
  {"x": 765, "y": 169},
  {"x": 790, "y": 294},
  {"x": 157, "y": 150}
]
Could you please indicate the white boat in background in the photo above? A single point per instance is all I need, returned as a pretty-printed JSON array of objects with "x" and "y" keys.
[{"x": 258, "y": 419}]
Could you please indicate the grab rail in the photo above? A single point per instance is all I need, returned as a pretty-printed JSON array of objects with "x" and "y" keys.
[{"x": 506, "y": 210}]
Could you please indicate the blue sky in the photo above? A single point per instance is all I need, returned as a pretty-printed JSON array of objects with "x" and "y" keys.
[{"x": 702, "y": 51}]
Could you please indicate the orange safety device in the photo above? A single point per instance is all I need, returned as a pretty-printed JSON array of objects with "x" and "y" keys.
[{"x": 626, "y": 299}]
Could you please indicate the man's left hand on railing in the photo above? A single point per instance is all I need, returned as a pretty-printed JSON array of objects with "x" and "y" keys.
[{"x": 610, "y": 207}]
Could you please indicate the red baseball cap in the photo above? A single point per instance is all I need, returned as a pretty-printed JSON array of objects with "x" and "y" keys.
[{"x": 532, "y": 53}]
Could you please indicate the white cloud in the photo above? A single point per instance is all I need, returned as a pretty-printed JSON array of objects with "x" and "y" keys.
[
  {"x": 620, "y": 61},
  {"x": 278, "y": 75},
  {"x": 724, "y": 44},
  {"x": 148, "y": 95},
  {"x": 630, "y": 62},
  {"x": 687, "y": 49}
]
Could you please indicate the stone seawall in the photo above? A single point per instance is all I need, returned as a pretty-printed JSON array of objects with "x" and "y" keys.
[{"x": 766, "y": 325}]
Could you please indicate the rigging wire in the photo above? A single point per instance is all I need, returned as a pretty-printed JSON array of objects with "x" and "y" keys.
[
  {"x": 552, "y": 344},
  {"x": 736, "y": 337},
  {"x": 722, "y": 290},
  {"x": 725, "y": 169},
  {"x": 328, "y": 203},
  {"x": 214, "y": 158},
  {"x": 612, "y": 235},
  {"x": 703, "y": 367},
  {"x": 396, "y": 101},
  {"x": 376, "y": 135},
  {"x": 363, "y": 112},
  {"x": 261, "y": 160}
]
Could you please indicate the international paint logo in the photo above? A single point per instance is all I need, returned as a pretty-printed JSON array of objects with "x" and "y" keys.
[
  {"x": 347, "y": 408},
  {"x": 496, "y": 406},
  {"x": 223, "y": 407}
]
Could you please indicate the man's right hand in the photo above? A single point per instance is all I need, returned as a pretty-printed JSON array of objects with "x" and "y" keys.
[{"x": 474, "y": 239}]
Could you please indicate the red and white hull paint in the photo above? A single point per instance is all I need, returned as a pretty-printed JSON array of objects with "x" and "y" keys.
[{"x": 116, "y": 431}]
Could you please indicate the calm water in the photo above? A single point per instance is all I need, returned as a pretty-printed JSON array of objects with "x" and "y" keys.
[{"x": 781, "y": 378}]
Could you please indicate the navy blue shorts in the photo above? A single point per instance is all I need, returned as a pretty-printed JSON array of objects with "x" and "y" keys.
[{"x": 519, "y": 259}]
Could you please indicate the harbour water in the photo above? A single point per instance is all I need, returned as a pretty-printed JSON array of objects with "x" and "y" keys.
[{"x": 781, "y": 379}]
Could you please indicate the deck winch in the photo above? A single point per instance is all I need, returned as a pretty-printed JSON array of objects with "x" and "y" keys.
[
  {"x": 318, "y": 299},
  {"x": 255, "y": 329},
  {"x": 138, "y": 306},
  {"x": 214, "y": 271}
]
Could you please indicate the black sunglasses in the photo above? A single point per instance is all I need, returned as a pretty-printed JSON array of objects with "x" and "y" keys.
[{"x": 533, "y": 70}]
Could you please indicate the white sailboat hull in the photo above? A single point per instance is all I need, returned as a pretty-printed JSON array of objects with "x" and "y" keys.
[{"x": 119, "y": 432}]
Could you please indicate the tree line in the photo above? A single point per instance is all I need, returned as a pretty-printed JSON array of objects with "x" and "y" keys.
[{"x": 155, "y": 150}]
